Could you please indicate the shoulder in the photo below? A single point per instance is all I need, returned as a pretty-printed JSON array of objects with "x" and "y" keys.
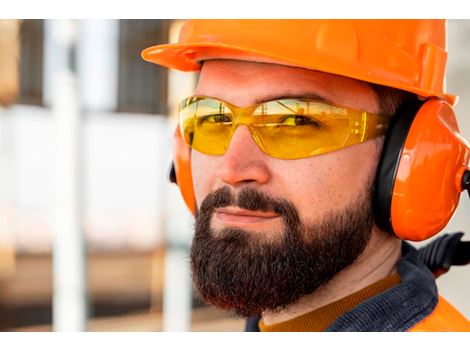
[{"x": 444, "y": 318}]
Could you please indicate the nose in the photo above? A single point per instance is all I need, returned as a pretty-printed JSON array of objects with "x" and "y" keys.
[{"x": 244, "y": 162}]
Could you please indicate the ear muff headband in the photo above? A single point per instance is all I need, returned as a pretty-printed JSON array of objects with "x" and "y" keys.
[{"x": 423, "y": 177}]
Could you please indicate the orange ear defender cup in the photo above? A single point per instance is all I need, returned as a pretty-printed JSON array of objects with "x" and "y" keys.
[
  {"x": 181, "y": 171},
  {"x": 419, "y": 177}
]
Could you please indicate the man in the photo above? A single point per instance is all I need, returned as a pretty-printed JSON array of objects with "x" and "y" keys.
[{"x": 280, "y": 154}]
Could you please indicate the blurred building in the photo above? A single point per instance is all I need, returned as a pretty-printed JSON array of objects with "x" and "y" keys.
[
  {"x": 124, "y": 108},
  {"x": 9, "y": 60},
  {"x": 125, "y": 157}
]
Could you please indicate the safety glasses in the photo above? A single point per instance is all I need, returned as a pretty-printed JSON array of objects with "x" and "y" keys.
[{"x": 284, "y": 128}]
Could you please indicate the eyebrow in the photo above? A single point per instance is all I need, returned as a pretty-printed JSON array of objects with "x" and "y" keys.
[{"x": 313, "y": 96}]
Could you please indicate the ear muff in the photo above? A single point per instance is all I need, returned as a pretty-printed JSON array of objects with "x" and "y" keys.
[
  {"x": 181, "y": 170},
  {"x": 419, "y": 176}
]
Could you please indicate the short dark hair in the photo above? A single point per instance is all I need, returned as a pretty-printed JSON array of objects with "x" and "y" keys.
[{"x": 390, "y": 99}]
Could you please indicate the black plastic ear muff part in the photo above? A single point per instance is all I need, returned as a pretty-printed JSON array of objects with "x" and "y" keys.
[
  {"x": 387, "y": 168},
  {"x": 445, "y": 251},
  {"x": 466, "y": 181},
  {"x": 172, "y": 173}
]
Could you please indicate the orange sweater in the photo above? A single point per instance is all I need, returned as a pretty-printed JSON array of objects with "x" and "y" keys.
[{"x": 321, "y": 318}]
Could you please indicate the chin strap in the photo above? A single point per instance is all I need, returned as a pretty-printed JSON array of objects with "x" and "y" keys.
[{"x": 444, "y": 252}]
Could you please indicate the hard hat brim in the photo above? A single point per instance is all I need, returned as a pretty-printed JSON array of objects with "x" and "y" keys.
[{"x": 189, "y": 56}]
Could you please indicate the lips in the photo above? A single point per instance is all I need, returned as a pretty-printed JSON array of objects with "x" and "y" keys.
[{"x": 238, "y": 215}]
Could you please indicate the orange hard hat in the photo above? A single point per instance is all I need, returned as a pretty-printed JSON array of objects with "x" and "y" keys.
[{"x": 404, "y": 54}]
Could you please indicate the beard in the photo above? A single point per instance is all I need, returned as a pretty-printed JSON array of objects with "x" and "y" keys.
[{"x": 243, "y": 272}]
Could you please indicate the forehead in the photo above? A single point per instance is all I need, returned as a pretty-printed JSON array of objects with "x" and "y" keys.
[{"x": 245, "y": 83}]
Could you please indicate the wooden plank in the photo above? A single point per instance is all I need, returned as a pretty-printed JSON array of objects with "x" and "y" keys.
[
  {"x": 111, "y": 276},
  {"x": 204, "y": 319}
]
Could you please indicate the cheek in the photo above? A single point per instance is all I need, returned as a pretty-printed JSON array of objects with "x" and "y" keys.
[
  {"x": 315, "y": 185},
  {"x": 203, "y": 177},
  {"x": 332, "y": 181}
]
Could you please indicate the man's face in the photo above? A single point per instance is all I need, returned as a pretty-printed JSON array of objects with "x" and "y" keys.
[{"x": 270, "y": 230}]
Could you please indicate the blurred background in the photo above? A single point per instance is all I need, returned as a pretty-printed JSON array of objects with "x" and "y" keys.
[{"x": 92, "y": 235}]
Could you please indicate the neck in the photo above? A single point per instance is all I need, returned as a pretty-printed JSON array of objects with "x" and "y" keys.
[{"x": 378, "y": 261}]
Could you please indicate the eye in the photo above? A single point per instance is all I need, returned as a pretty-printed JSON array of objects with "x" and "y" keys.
[
  {"x": 299, "y": 120},
  {"x": 216, "y": 118}
]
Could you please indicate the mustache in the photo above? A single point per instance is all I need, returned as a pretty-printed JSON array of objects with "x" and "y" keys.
[{"x": 249, "y": 198}]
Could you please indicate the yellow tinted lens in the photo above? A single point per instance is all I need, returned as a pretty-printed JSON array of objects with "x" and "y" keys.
[
  {"x": 286, "y": 129},
  {"x": 206, "y": 124},
  {"x": 290, "y": 129}
]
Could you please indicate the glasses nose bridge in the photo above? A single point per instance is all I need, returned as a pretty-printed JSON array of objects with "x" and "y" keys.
[{"x": 243, "y": 116}]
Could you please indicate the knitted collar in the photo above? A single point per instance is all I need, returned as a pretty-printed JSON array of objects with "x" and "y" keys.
[{"x": 397, "y": 309}]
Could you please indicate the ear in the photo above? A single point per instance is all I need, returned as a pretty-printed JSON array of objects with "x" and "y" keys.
[{"x": 419, "y": 177}]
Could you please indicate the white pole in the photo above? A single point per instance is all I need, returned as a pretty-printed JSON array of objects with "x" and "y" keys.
[
  {"x": 97, "y": 64},
  {"x": 69, "y": 253},
  {"x": 177, "y": 292}
]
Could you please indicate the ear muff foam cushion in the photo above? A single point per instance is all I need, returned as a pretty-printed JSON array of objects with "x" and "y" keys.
[{"x": 388, "y": 164}]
